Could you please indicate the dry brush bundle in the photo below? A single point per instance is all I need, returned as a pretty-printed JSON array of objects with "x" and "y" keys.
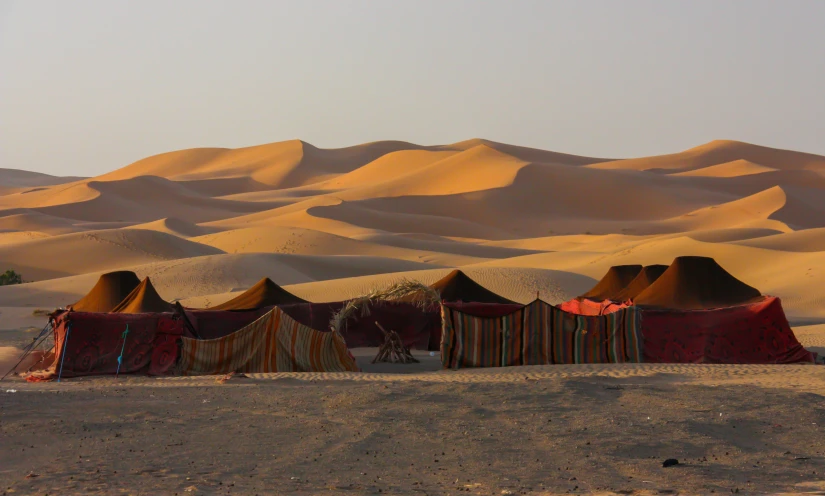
[{"x": 406, "y": 290}]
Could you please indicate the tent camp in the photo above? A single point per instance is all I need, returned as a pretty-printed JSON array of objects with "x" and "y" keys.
[
  {"x": 110, "y": 290},
  {"x": 263, "y": 294},
  {"x": 457, "y": 286},
  {"x": 143, "y": 299}
]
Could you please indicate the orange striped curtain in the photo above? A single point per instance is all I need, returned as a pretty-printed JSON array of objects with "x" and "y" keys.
[{"x": 273, "y": 343}]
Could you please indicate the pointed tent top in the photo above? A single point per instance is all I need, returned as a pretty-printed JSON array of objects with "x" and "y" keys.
[
  {"x": 143, "y": 299},
  {"x": 264, "y": 293},
  {"x": 111, "y": 288},
  {"x": 646, "y": 277},
  {"x": 694, "y": 283},
  {"x": 457, "y": 286},
  {"x": 615, "y": 280}
]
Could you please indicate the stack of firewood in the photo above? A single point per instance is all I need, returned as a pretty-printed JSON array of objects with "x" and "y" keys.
[{"x": 393, "y": 350}]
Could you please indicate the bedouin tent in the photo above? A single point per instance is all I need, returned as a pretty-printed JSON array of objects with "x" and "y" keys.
[
  {"x": 143, "y": 299},
  {"x": 273, "y": 343},
  {"x": 111, "y": 288},
  {"x": 697, "y": 312},
  {"x": 648, "y": 275},
  {"x": 605, "y": 296},
  {"x": 113, "y": 343},
  {"x": 538, "y": 334},
  {"x": 457, "y": 286},
  {"x": 263, "y": 294},
  {"x": 614, "y": 281},
  {"x": 696, "y": 283}
]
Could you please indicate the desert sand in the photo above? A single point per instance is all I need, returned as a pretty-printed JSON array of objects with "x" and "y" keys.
[{"x": 331, "y": 224}]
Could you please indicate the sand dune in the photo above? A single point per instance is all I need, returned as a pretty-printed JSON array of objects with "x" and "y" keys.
[
  {"x": 281, "y": 165},
  {"x": 810, "y": 240},
  {"x": 37, "y": 222},
  {"x": 178, "y": 227},
  {"x": 720, "y": 152},
  {"x": 141, "y": 199},
  {"x": 95, "y": 251},
  {"x": 331, "y": 223},
  {"x": 736, "y": 168},
  {"x": 15, "y": 178},
  {"x": 311, "y": 242}
]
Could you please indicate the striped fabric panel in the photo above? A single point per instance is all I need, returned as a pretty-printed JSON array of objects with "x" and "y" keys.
[
  {"x": 540, "y": 334},
  {"x": 226, "y": 354},
  {"x": 478, "y": 341},
  {"x": 512, "y": 336},
  {"x": 611, "y": 338},
  {"x": 303, "y": 349},
  {"x": 273, "y": 343},
  {"x": 537, "y": 342}
]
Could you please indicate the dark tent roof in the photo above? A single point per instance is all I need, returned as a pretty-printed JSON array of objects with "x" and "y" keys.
[
  {"x": 143, "y": 299},
  {"x": 616, "y": 279},
  {"x": 646, "y": 277},
  {"x": 692, "y": 283},
  {"x": 111, "y": 289},
  {"x": 457, "y": 286},
  {"x": 264, "y": 293}
]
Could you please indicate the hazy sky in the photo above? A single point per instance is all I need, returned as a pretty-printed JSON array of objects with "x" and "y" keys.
[{"x": 90, "y": 86}]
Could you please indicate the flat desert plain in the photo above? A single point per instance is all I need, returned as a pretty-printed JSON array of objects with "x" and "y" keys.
[{"x": 331, "y": 224}]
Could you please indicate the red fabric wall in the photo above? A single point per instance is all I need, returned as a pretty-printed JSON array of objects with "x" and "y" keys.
[
  {"x": 751, "y": 333},
  {"x": 90, "y": 344}
]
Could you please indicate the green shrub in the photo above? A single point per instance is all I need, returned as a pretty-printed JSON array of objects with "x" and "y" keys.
[{"x": 10, "y": 277}]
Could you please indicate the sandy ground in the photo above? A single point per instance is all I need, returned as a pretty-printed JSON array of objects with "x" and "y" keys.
[{"x": 531, "y": 430}]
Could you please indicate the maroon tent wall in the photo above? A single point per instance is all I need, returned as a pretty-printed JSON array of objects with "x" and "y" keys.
[
  {"x": 213, "y": 324},
  {"x": 90, "y": 344},
  {"x": 752, "y": 333}
]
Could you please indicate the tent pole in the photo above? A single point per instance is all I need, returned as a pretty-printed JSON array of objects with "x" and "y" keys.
[
  {"x": 122, "y": 349},
  {"x": 65, "y": 344}
]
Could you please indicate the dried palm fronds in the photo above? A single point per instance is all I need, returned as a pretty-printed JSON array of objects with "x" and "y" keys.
[{"x": 405, "y": 290}]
